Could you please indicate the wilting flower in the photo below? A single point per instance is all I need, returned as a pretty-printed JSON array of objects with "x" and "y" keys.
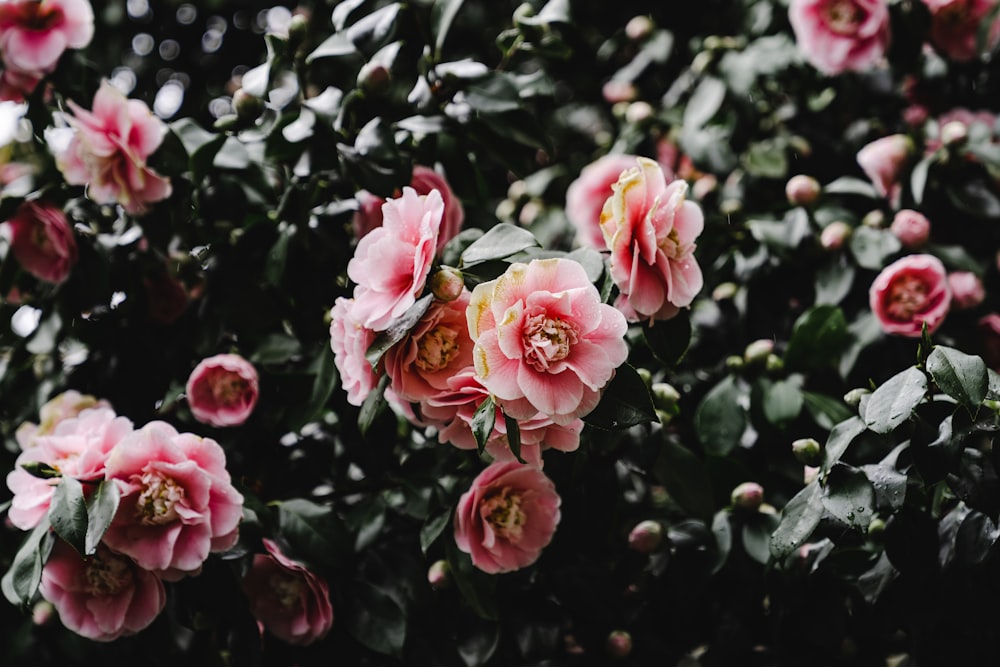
[
  {"x": 177, "y": 501},
  {"x": 287, "y": 599},
  {"x": 911, "y": 292},
  {"x": 911, "y": 228},
  {"x": 586, "y": 195},
  {"x": 651, "y": 228},
  {"x": 840, "y": 35},
  {"x": 222, "y": 390},
  {"x": 349, "y": 340},
  {"x": 109, "y": 150},
  {"x": 955, "y": 26},
  {"x": 544, "y": 341},
  {"x": 42, "y": 240},
  {"x": 507, "y": 517},
  {"x": 883, "y": 161},
  {"x": 102, "y": 597}
]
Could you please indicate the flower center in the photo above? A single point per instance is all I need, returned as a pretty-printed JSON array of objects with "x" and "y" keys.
[
  {"x": 287, "y": 588},
  {"x": 907, "y": 296},
  {"x": 156, "y": 503},
  {"x": 107, "y": 573},
  {"x": 229, "y": 388},
  {"x": 38, "y": 16},
  {"x": 437, "y": 348},
  {"x": 502, "y": 509},
  {"x": 844, "y": 16},
  {"x": 547, "y": 340}
]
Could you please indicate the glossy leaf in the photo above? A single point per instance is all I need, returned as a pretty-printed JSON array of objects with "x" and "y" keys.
[
  {"x": 962, "y": 376},
  {"x": 798, "y": 520},
  {"x": 669, "y": 340},
  {"x": 840, "y": 438},
  {"x": 625, "y": 402},
  {"x": 374, "y": 618},
  {"x": 719, "y": 420},
  {"x": 373, "y": 405},
  {"x": 818, "y": 337},
  {"x": 685, "y": 478},
  {"x": 500, "y": 241},
  {"x": 483, "y": 421},
  {"x": 398, "y": 330},
  {"x": 442, "y": 15},
  {"x": 21, "y": 580},
  {"x": 315, "y": 532},
  {"x": 101, "y": 508},
  {"x": 893, "y": 403},
  {"x": 68, "y": 513},
  {"x": 849, "y": 497}
]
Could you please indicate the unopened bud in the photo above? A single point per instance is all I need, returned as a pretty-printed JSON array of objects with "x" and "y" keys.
[
  {"x": 639, "y": 27},
  {"x": 748, "y": 496},
  {"x": 646, "y": 537},
  {"x": 374, "y": 78},
  {"x": 704, "y": 186},
  {"x": 758, "y": 350},
  {"x": 808, "y": 451},
  {"x": 447, "y": 284},
  {"x": 724, "y": 291},
  {"x": 954, "y": 133},
  {"x": 774, "y": 364},
  {"x": 665, "y": 396},
  {"x": 874, "y": 218},
  {"x": 734, "y": 362},
  {"x": 638, "y": 112},
  {"x": 617, "y": 90},
  {"x": 853, "y": 397},
  {"x": 247, "y": 106},
  {"x": 42, "y": 613},
  {"x": 298, "y": 25},
  {"x": 876, "y": 529},
  {"x": 730, "y": 206},
  {"x": 835, "y": 235},
  {"x": 802, "y": 190},
  {"x": 439, "y": 575},
  {"x": 619, "y": 644},
  {"x": 644, "y": 373}
]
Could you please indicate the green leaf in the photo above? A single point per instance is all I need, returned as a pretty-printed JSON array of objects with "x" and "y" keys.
[
  {"x": 375, "y": 30},
  {"x": 840, "y": 438},
  {"x": 705, "y": 101},
  {"x": 975, "y": 198},
  {"x": 442, "y": 14},
  {"x": 513, "y": 436},
  {"x": 373, "y": 405},
  {"x": 719, "y": 420},
  {"x": 483, "y": 421},
  {"x": 850, "y": 497},
  {"x": 554, "y": 11},
  {"x": 276, "y": 348},
  {"x": 477, "y": 587},
  {"x": 766, "y": 159},
  {"x": 625, "y": 402},
  {"x": 375, "y": 618},
  {"x": 21, "y": 581},
  {"x": 798, "y": 520},
  {"x": 398, "y": 330},
  {"x": 432, "y": 529},
  {"x": 873, "y": 247},
  {"x": 315, "y": 533},
  {"x": 68, "y": 513},
  {"x": 847, "y": 185},
  {"x": 101, "y": 508},
  {"x": 888, "y": 483},
  {"x": 500, "y": 241},
  {"x": 818, "y": 337},
  {"x": 277, "y": 258},
  {"x": 918, "y": 177},
  {"x": 669, "y": 340},
  {"x": 893, "y": 403},
  {"x": 993, "y": 391},
  {"x": 825, "y": 411},
  {"x": 723, "y": 534},
  {"x": 334, "y": 46},
  {"x": 756, "y": 536},
  {"x": 962, "y": 376},
  {"x": 323, "y": 386},
  {"x": 685, "y": 478},
  {"x": 833, "y": 281},
  {"x": 493, "y": 94},
  {"x": 783, "y": 401},
  {"x": 41, "y": 470}
]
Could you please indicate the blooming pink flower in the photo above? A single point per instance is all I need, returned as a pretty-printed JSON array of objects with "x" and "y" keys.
[
  {"x": 423, "y": 180},
  {"x": 390, "y": 264},
  {"x": 586, "y": 195},
  {"x": 34, "y": 34},
  {"x": 911, "y": 292},
  {"x": 883, "y": 161},
  {"x": 544, "y": 341},
  {"x": 61, "y": 407},
  {"x": 102, "y": 597},
  {"x": 840, "y": 35},
  {"x": 109, "y": 149},
  {"x": 42, "y": 240},
  {"x": 966, "y": 289},
  {"x": 287, "y": 599},
  {"x": 650, "y": 228},
  {"x": 911, "y": 228},
  {"x": 349, "y": 341},
  {"x": 507, "y": 517},
  {"x": 955, "y": 26},
  {"x": 76, "y": 447},
  {"x": 223, "y": 390},
  {"x": 177, "y": 501}
]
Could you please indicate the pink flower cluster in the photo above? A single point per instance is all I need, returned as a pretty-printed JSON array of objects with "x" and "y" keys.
[
  {"x": 841, "y": 35},
  {"x": 176, "y": 505}
]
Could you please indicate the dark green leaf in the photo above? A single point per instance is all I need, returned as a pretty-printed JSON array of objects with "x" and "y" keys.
[
  {"x": 276, "y": 348},
  {"x": 783, "y": 401},
  {"x": 993, "y": 390},
  {"x": 477, "y": 587},
  {"x": 873, "y": 583},
  {"x": 847, "y": 185},
  {"x": 893, "y": 403},
  {"x": 918, "y": 177},
  {"x": 849, "y": 497},
  {"x": 334, "y": 46},
  {"x": 873, "y": 247},
  {"x": 513, "y": 436},
  {"x": 483, "y": 421},
  {"x": 889, "y": 485},
  {"x": 975, "y": 198},
  {"x": 833, "y": 282},
  {"x": 101, "y": 508},
  {"x": 766, "y": 159},
  {"x": 825, "y": 411},
  {"x": 723, "y": 534},
  {"x": 432, "y": 529},
  {"x": 719, "y": 420},
  {"x": 625, "y": 402},
  {"x": 478, "y": 646},
  {"x": 277, "y": 258},
  {"x": 818, "y": 337},
  {"x": 41, "y": 470},
  {"x": 704, "y": 103},
  {"x": 375, "y": 30},
  {"x": 756, "y": 536},
  {"x": 21, "y": 581},
  {"x": 961, "y": 376},
  {"x": 500, "y": 241},
  {"x": 398, "y": 330},
  {"x": 554, "y": 11},
  {"x": 798, "y": 520},
  {"x": 68, "y": 513},
  {"x": 840, "y": 438},
  {"x": 315, "y": 533},
  {"x": 668, "y": 340},
  {"x": 373, "y": 405},
  {"x": 442, "y": 14},
  {"x": 374, "y": 618},
  {"x": 493, "y": 94},
  {"x": 685, "y": 478}
]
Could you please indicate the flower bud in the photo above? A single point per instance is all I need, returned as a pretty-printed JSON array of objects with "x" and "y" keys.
[
  {"x": 808, "y": 451},
  {"x": 874, "y": 219},
  {"x": 704, "y": 186},
  {"x": 911, "y": 228},
  {"x": 734, "y": 362},
  {"x": 646, "y": 537},
  {"x": 42, "y": 613},
  {"x": 374, "y": 78},
  {"x": 644, "y": 373},
  {"x": 758, "y": 351},
  {"x": 853, "y": 397},
  {"x": 810, "y": 474},
  {"x": 774, "y": 364},
  {"x": 447, "y": 283},
  {"x": 835, "y": 235},
  {"x": 247, "y": 106},
  {"x": 619, "y": 644},
  {"x": 954, "y": 133},
  {"x": 638, "y": 112},
  {"x": 725, "y": 291},
  {"x": 615, "y": 91},
  {"x": 298, "y": 25},
  {"x": 966, "y": 289},
  {"x": 802, "y": 190},
  {"x": 639, "y": 27},
  {"x": 876, "y": 529},
  {"x": 665, "y": 396},
  {"x": 439, "y": 575},
  {"x": 748, "y": 496}
]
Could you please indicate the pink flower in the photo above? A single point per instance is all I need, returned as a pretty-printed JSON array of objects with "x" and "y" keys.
[
  {"x": 33, "y": 34},
  {"x": 76, "y": 447},
  {"x": 507, "y": 517},
  {"x": 42, "y": 240},
  {"x": 223, "y": 390},
  {"x": 650, "y": 228},
  {"x": 911, "y": 228},
  {"x": 883, "y": 161},
  {"x": 391, "y": 263},
  {"x": 955, "y": 26},
  {"x": 177, "y": 502},
  {"x": 109, "y": 149},
  {"x": 544, "y": 341},
  {"x": 423, "y": 180},
  {"x": 287, "y": 599},
  {"x": 966, "y": 289},
  {"x": 840, "y": 35},
  {"x": 911, "y": 292},
  {"x": 69, "y": 403},
  {"x": 349, "y": 341},
  {"x": 586, "y": 195},
  {"x": 102, "y": 597}
]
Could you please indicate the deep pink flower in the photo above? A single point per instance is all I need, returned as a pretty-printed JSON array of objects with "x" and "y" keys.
[
  {"x": 349, "y": 341},
  {"x": 507, "y": 517},
  {"x": 955, "y": 26},
  {"x": 651, "y": 228},
  {"x": 109, "y": 150},
  {"x": 222, "y": 390},
  {"x": 911, "y": 228},
  {"x": 586, "y": 195},
  {"x": 544, "y": 341},
  {"x": 102, "y": 597},
  {"x": 391, "y": 263},
  {"x": 883, "y": 161},
  {"x": 911, "y": 292},
  {"x": 840, "y": 35},
  {"x": 34, "y": 34},
  {"x": 287, "y": 599},
  {"x": 42, "y": 240},
  {"x": 966, "y": 289},
  {"x": 177, "y": 501}
]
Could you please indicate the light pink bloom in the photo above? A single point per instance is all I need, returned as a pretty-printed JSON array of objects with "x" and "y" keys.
[
  {"x": 840, "y": 35},
  {"x": 390, "y": 264},
  {"x": 222, "y": 390},
  {"x": 507, "y": 517},
  {"x": 911, "y": 228},
  {"x": 544, "y": 341},
  {"x": 109, "y": 150},
  {"x": 287, "y": 599},
  {"x": 177, "y": 501},
  {"x": 76, "y": 447},
  {"x": 911, "y": 292},
  {"x": 34, "y": 34},
  {"x": 586, "y": 195},
  {"x": 349, "y": 341},
  {"x": 102, "y": 597},
  {"x": 424, "y": 179},
  {"x": 651, "y": 228},
  {"x": 955, "y": 26},
  {"x": 966, "y": 289},
  {"x": 883, "y": 161},
  {"x": 61, "y": 407},
  {"x": 42, "y": 240}
]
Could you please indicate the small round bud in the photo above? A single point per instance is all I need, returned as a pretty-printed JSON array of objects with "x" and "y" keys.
[
  {"x": 298, "y": 25},
  {"x": 954, "y": 133},
  {"x": 374, "y": 78},
  {"x": 802, "y": 190},
  {"x": 730, "y": 206},
  {"x": 447, "y": 284},
  {"x": 734, "y": 362},
  {"x": 665, "y": 396},
  {"x": 876, "y": 529},
  {"x": 835, "y": 235},
  {"x": 758, "y": 351},
  {"x": 774, "y": 364},
  {"x": 615, "y": 91},
  {"x": 659, "y": 496},
  {"x": 517, "y": 190},
  {"x": 246, "y": 106},
  {"x": 644, "y": 373},
  {"x": 42, "y": 613},
  {"x": 639, "y": 27},
  {"x": 874, "y": 218},
  {"x": 703, "y": 186},
  {"x": 646, "y": 537},
  {"x": 748, "y": 496},
  {"x": 439, "y": 575},
  {"x": 808, "y": 451},
  {"x": 911, "y": 228},
  {"x": 800, "y": 145},
  {"x": 853, "y": 397},
  {"x": 619, "y": 644},
  {"x": 810, "y": 474},
  {"x": 638, "y": 112},
  {"x": 725, "y": 291}
]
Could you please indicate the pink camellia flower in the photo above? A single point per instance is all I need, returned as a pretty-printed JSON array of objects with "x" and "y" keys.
[
  {"x": 586, "y": 195},
  {"x": 109, "y": 150},
  {"x": 989, "y": 329},
  {"x": 424, "y": 179},
  {"x": 911, "y": 292},
  {"x": 840, "y": 35},
  {"x": 349, "y": 341},
  {"x": 287, "y": 599},
  {"x": 955, "y": 26},
  {"x": 77, "y": 447},
  {"x": 883, "y": 161},
  {"x": 102, "y": 597},
  {"x": 177, "y": 501},
  {"x": 507, "y": 517},
  {"x": 222, "y": 390},
  {"x": 966, "y": 289},
  {"x": 34, "y": 34},
  {"x": 59, "y": 408},
  {"x": 544, "y": 341},
  {"x": 650, "y": 228},
  {"x": 391, "y": 263},
  {"x": 42, "y": 240},
  {"x": 911, "y": 228}
]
